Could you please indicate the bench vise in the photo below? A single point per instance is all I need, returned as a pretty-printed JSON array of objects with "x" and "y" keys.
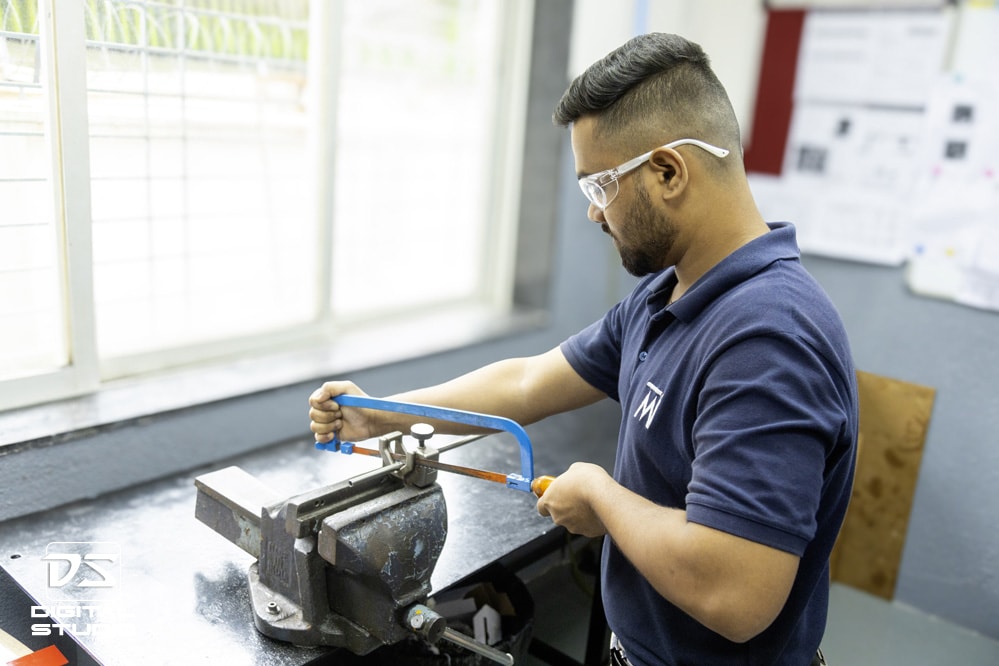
[
  {"x": 338, "y": 566},
  {"x": 347, "y": 565}
]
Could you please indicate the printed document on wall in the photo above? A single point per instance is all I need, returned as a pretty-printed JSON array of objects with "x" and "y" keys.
[
  {"x": 862, "y": 85},
  {"x": 852, "y": 169},
  {"x": 887, "y": 58},
  {"x": 955, "y": 208}
]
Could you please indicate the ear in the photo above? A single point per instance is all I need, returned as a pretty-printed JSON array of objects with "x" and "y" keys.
[{"x": 670, "y": 170}]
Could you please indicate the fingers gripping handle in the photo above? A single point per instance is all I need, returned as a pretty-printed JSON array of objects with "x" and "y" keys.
[{"x": 520, "y": 481}]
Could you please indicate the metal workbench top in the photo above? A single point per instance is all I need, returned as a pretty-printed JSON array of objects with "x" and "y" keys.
[{"x": 178, "y": 591}]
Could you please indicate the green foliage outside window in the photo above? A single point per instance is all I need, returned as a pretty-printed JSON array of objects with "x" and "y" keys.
[{"x": 267, "y": 29}]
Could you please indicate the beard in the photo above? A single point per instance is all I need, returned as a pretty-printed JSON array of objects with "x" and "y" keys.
[{"x": 649, "y": 237}]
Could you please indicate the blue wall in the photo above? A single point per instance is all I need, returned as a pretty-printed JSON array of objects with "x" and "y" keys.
[{"x": 950, "y": 565}]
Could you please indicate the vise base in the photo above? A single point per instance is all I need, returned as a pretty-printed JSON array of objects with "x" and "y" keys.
[{"x": 347, "y": 574}]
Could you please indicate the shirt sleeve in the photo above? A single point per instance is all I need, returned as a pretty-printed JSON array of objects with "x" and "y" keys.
[
  {"x": 770, "y": 412},
  {"x": 595, "y": 352}
]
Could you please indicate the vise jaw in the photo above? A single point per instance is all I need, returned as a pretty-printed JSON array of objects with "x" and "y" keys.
[{"x": 337, "y": 566}]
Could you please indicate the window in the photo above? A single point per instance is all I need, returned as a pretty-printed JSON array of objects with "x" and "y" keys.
[
  {"x": 199, "y": 179},
  {"x": 419, "y": 97},
  {"x": 184, "y": 180}
]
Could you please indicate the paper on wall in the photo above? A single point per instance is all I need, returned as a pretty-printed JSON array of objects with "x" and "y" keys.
[
  {"x": 847, "y": 172},
  {"x": 955, "y": 209},
  {"x": 870, "y": 57}
]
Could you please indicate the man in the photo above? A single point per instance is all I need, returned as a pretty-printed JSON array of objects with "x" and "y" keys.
[{"x": 737, "y": 444}]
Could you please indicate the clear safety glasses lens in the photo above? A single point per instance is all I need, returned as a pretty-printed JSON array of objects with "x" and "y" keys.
[{"x": 600, "y": 194}]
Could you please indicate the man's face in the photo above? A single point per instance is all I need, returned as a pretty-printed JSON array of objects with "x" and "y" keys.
[
  {"x": 646, "y": 238},
  {"x": 642, "y": 232}
]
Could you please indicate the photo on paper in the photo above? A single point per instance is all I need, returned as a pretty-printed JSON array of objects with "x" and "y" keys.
[
  {"x": 963, "y": 113},
  {"x": 811, "y": 159},
  {"x": 955, "y": 150}
]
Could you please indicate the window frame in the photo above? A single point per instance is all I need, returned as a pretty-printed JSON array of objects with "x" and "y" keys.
[
  {"x": 68, "y": 131},
  {"x": 63, "y": 89}
]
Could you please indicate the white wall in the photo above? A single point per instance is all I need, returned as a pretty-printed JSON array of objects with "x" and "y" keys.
[{"x": 730, "y": 31}]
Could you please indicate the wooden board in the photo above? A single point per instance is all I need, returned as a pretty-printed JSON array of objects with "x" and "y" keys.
[{"x": 894, "y": 419}]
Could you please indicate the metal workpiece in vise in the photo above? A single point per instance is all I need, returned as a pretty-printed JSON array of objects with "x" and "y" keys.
[{"x": 349, "y": 565}]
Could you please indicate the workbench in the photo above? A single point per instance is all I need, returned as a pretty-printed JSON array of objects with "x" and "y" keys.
[{"x": 177, "y": 593}]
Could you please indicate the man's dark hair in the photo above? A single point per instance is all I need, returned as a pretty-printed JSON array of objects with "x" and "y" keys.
[{"x": 655, "y": 88}]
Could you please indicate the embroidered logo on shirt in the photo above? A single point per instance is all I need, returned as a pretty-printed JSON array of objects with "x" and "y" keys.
[{"x": 650, "y": 404}]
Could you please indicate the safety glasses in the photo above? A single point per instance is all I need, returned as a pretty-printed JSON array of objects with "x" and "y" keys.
[{"x": 601, "y": 188}]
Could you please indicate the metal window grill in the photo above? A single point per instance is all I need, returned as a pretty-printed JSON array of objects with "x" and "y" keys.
[{"x": 198, "y": 137}]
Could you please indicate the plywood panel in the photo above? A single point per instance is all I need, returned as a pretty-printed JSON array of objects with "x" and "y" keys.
[{"x": 894, "y": 419}]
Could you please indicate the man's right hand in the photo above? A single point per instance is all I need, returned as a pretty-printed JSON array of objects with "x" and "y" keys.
[{"x": 328, "y": 418}]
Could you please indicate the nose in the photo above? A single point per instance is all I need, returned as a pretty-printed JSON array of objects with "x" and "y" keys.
[{"x": 596, "y": 214}]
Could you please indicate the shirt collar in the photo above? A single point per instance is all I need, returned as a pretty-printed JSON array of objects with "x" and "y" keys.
[{"x": 779, "y": 243}]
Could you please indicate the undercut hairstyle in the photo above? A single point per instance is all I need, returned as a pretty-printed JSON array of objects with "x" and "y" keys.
[{"x": 654, "y": 89}]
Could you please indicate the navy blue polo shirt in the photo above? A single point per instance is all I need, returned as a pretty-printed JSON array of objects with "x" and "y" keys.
[{"x": 739, "y": 405}]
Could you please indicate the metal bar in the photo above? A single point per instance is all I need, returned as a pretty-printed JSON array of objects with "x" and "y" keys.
[
  {"x": 458, "y": 442},
  {"x": 464, "y": 641},
  {"x": 375, "y": 473}
]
